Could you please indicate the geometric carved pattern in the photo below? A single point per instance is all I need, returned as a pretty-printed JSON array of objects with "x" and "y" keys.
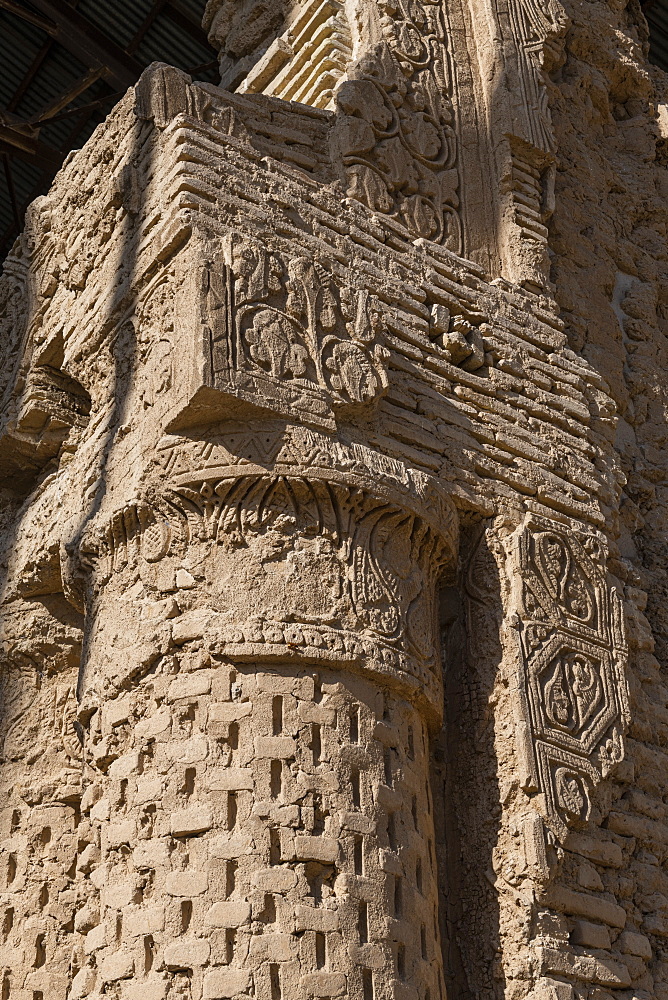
[
  {"x": 573, "y": 654},
  {"x": 572, "y": 703}
]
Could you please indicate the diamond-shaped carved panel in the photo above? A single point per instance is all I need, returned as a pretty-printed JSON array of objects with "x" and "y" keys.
[{"x": 571, "y": 689}]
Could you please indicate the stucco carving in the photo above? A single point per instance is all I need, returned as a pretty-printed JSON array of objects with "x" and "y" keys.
[
  {"x": 396, "y": 134},
  {"x": 282, "y": 334},
  {"x": 570, "y": 696},
  {"x": 255, "y": 393}
]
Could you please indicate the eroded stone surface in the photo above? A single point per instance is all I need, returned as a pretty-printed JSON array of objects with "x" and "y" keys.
[{"x": 332, "y": 461}]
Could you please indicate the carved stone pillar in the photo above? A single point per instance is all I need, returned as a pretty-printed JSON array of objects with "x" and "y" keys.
[
  {"x": 259, "y": 769},
  {"x": 274, "y": 397}
]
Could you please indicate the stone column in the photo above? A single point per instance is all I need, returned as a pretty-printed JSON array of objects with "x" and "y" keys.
[{"x": 258, "y": 778}]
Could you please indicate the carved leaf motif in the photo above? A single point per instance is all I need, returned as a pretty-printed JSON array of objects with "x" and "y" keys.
[
  {"x": 388, "y": 576},
  {"x": 423, "y": 136},
  {"x": 399, "y": 170},
  {"x": 586, "y": 687},
  {"x": 562, "y": 576},
  {"x": 368, "y": 186},
  {"x": 558, "y": 706},
  {"x": 571, "y": 795},
  {"x": 402, "y": 91},
  {"x": 573, "y": 692},
  {"x": 249, "y": 264},
  {"x": 410, "y": 42},
  {"x": 275, "y": 345},
  {"x": 420, "y": 216},
  {"x": 365, "y": 99},
  {"x": 155, "y": 541},
  {"x": 353, "y": 373}
]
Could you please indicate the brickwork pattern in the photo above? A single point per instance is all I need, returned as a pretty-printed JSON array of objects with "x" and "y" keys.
[{"x": 262, "y": 831}]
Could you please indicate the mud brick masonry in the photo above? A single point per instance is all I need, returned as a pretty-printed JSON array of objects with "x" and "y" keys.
[{"x": 333, "y": 457}]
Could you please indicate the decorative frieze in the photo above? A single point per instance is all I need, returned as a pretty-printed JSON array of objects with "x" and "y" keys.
[{"x": 279, "y": 334}]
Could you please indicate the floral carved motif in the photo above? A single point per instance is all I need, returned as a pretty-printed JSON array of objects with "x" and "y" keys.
[
  {"x": 285, "y": 335},
  {"x": 571, "y": 658},
  {"x": 338, "y": 573},
  {"x": 573, "y": 653},
  {"x": 361, "y": 564},
  {"x": 396, "y": 132}
]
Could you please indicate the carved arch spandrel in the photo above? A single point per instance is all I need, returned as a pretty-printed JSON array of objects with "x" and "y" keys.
[{"x": 565, "y": 655}]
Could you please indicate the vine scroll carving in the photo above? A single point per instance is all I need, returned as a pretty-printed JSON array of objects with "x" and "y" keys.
[
  {"x": 282, "y": 335},
  {"x": 396, "y": 134}
]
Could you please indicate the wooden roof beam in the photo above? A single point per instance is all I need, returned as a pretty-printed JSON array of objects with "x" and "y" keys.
[
  {"x": 28, "y": 15},
  {"x": 90, "y": 45},
  {"x": 183, "y": 20},
  {"x": 30, "y": 75},
  {"x": 146, "y": 24},
  {"x": 28, "y": 148},
  {"x": 12, "y": 190},
  {"x": 62, "y": 100}
]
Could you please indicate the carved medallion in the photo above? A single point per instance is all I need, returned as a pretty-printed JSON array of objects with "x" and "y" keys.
[
  {"x": 572, "y": 699},
  {"x": 573, "y": 656}
]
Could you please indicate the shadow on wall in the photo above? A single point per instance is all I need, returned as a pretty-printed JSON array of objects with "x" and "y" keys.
[
  {"x": 467, "y": 806},
  {"x": 122, "y": 347},
  {"x": 44, "y": 587},
  {"x": 243, "y": 30}
]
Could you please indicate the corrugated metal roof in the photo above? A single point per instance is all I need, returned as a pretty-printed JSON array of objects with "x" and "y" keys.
[
  {"x": 174, "y": 36},
  {"x": 656, "y": 12}
]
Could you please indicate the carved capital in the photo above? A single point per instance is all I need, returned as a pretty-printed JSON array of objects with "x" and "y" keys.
[{"x": 268, "y": 552}]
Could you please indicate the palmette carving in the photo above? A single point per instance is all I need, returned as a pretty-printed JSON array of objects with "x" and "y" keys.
[
  {"x": 283, "y": 334},
  {"x": 532, "y": 48},
  {"x": 336, "y": 572},
  {"x": 396, "y": 133},
  {"x": 536, "y": 28}
]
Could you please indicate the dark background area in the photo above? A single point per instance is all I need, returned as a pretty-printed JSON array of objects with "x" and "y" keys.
[
  {"x": 656, "y": 12},
  {"x": 65, "y": 64}
]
